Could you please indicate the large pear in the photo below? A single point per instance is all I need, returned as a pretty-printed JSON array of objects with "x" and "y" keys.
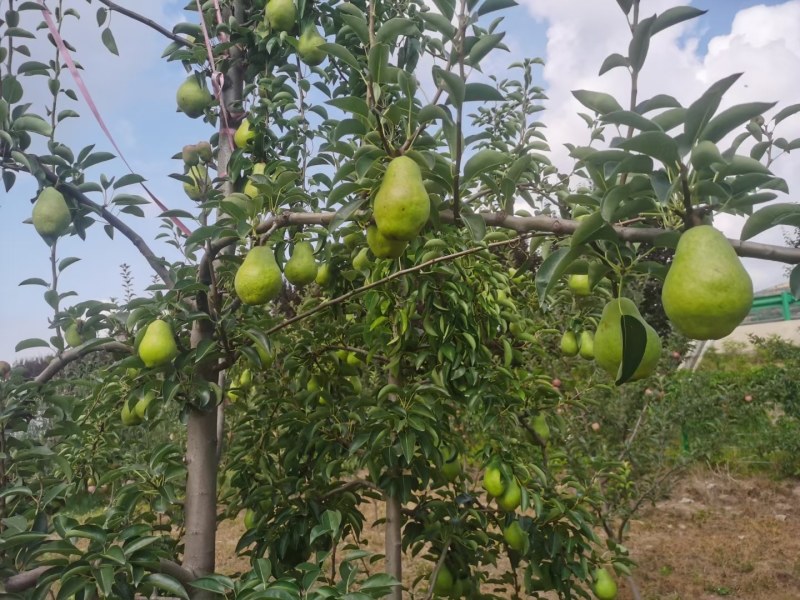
[
  {"x": 402, "y": 206},
  {"x": 158, "y": 344},
  {"x": 383, "y": 247},
  {"x": 608, "y": 340},
  {"x": 605, "y": 588},
  {"x": 301, "y": 268},
  {"x": 308, "y": 46},
  {"x": 281, "y": 14},
  {"x": 51, "y": 216},
  {"x": 707, "y": 292},
  {"x": 193, "y": 96},
  {"x": 258, "y": 279}
]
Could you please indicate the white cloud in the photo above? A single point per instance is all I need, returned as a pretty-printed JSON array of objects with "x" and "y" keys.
[{"x": 762, "y": 42}]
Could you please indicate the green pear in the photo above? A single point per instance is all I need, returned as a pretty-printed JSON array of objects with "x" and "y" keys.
[
  {"x": 78, "y": 333},
  {"x": 586, "y": 342},
  {"x": 308, "y": 46},
  {"x": 579, "y": 284},
  {"x": 281, "y": 15},
  {"x": 250, "y": 518},
  {"x": 205, "y": 151},
  {"x": 444, "y": 582},
  {"x": 51, "y": 217},
  {"x": 244, "y": 134},
  {"x": 324, "y": 276},
  {"x": 249, "y": 188},
  {"x": 402, "y": 206},
  {"x": 190, "y": 155},
  {"x": 301, "y": 268},
  {"x": 158, "y": 344},
  {"x": 265, "y": 357},
  {"x": 541, "y": 428},
  {"x": 515, "y": 536},
  {"x": 605, "y": 588},
  {"x": 361, "y": 262},
  {"x": 608, "y": 340},
  {"x": 707, "y": 292},
  {"x": 258, "y": 280},
  {"x": 140, "y": 408},
  {"x": 569, "y": 343},
  {"x": 383, "y": 247},
  {"x": 451, "y": 467},
  {"x": 512, "y": 496},
  {"x": 493, "y": 481},
  {"x": 200, "y": 182},
  {"x": 705, "y": 154},
  {"x": 129, "y": 417},
  {"x": 193, "y": 96}
]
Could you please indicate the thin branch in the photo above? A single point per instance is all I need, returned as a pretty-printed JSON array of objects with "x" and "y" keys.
[
  {"x": 62, "y": 360},
  {"x": 436, "y": 569},
  {"x": 351, "y": 485},
  {"x": 145, "y": 21}
]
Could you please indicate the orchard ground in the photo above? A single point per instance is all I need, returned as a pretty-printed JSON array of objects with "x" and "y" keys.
[{"x": 718, "y": 535}]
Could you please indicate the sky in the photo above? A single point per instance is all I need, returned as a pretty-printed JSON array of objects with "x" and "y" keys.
[{"x": 135, "y": 93}]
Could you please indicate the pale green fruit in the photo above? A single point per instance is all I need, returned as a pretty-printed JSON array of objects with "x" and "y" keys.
[
  {"x": 193, "y": 96},
  {"x": 579, "y": 284},
  {"x": 451, "y": 467},
  {"x": 605, "y": 588},
  {"x": 608, "y": 340},
  {"x": 266, "y": 358},
  {"x": 246, "y": 378},
  {"x": 190, "y": 155},
  {"x": 308, "y": 46},
  {"x": 281, "y": 14},
  {"x": 353, "y": 360},
  {"x": 586, "y": 342},
  {"x": 569, "y": 344},
  {"x": 512, "y": 496},
  {"x": 312, "y": 385},
  {"x": 383, "y": 247},
  {"x": 353, "y": 240},
  {"x": 249, "y": 188},
  {"x": 72, "y": 335},
  {"x": 707, "y": 292},
  {"x": 323, "y": 277},
  {"x": 541, "y": 428},
  {"x": 493, "y": 481},
  {"x": 243, "y": 134},
  {"x": 402, "y": 206},
  {"x": 444, "y": 582},
  {"x": 204, "y": 151},
  {"x": 200, "y": 182},
  {"x": 158, "y": 344},
  {"x": 129, "y": 417},
  {"x": 51, "y": 217},
  {"x": 250, "y": 518},
  {"x": 140, "y": 408},
  {"x": 705, "y": 154},
  {"x": 258, "y": 280},
  {"x": 361, "y": 261},
  {"x": 301, "y": 268},
  {"x": 515, "y": 536}
]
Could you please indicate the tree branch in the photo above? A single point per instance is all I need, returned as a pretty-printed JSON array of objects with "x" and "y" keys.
[
  {"x": 62, "y": 360},
  {"x": 145, "y": 21}
]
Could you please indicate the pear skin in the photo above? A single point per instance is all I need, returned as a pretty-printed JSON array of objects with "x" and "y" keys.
[
  {"x": 383, "y": 247},
  {"x": 258, "y": 280},
  {"x": 244, "y": 134},
  {"x": 608, "y": 340},
  {"x": 402, "y": 206},
  {"x": 301, "y": 268},
  {"x": 586, "y": 342},
  {"x": 605, "y": 588},
  {"x": 193, "y": 96},
  {"x": 51, "y": 217},
  {"x": 569, "y": 344},
  {"x": 707, "y": 292},
  {"x": 200, "y": 182},
  {"x": 308, "y": 46},
  {"x": 158, "y": 346},
  {"x": 281, "y": 15}
]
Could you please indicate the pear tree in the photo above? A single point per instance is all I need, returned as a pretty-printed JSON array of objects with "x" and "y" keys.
[{"x": 367, "y": 305}]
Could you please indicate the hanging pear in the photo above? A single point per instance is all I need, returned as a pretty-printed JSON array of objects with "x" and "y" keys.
[
  {"x": 158, "y": 346},
  {"x": 586, "y": 342},
  {"x": 541, "y": 428},
  {"x": 258, "y": 280},
  {"x": 402, "y": 206},
  {"x": 193, "y": 96},
  {"x": 605, "y": 588},
  {"x": 244, "y": 134},
  {"x": 512, "y": 496},
  {"x": 301, "y": 268},
  {"x": 569, "y": 344},
  {"x": 200, "y": 182},
  {"x": 281, "y": 15},
  {"x": 250, "y": 188},
  {"x": 707, "y": 292},
  {"x": 608, "y": 340},
  {"x": 308, "y": 46},
  {"x": 51, "y": 216},
  {"x": 383, "y": 247}
]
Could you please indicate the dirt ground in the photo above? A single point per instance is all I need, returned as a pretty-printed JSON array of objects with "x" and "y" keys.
[{"x": 717, "y": 536}]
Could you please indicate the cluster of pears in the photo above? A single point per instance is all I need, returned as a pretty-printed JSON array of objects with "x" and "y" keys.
[
  {"x": 193, "y": 96},
  {"x": 503, "y": 486},
  {"x": 51, "y": 217},
  {"x": 583, "y": 344},
  {"x": 196, "y": 158},
  {"x": 707, "y": 292},
  {"x": 608, "y": 340},
  {"x": 157, "y": 346},
  {"x": 259, "y": 279},
  {"x": 452, "y": 582}
]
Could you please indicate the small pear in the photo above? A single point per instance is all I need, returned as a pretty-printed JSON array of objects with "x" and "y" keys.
[
  {"x": 512, "y": 496},
  {"x": 707, "y": 292},
  {"x": 193, "y": 96},
  {"x": 579, "y": 284},
  {"x": 569, "y": 343},
  {"x": 244, "y": 134},
  {"x": 200, "y": 182},
  {"x": 608, "y": 340},
  {"x": 705, "y": 154},
  {"x": 51, "y": 217},
  {"x": 308, "y": 46},
  {"x": 605, "y": 588},
  {"x": 361, "y": 261},
  {"x": 586, "y": 342},
  {"x": 78, "y": 333},
  {"x": 250, "y": 519},
  {"x": 129, "y": 417},
  {"x": 383, "y": 247},
  {"x": 281, "y": 15},
  {"x": 451, "y": 467},
  {"x": 205, "y": 151},
  {"x": 515, "y": 536},
  {"x": 301, "y": 268},
  {"x": 324, "y": 276},
  {"x": 541, "y": 428},
  {"x": 493, "y": 481},
  {"x": 249, "y": 188},
  {"x": 140, "y": 408},
  {"x": 443, "y": 585},
  {"x": 402, "y": 206},
  {"x": 190, "y": 155},
  {"x": 258, "y": 280},
  {"x": 158, "y": 344}
]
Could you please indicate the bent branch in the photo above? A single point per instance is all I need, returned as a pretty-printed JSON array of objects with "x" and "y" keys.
[
  {"x": 145, "y": 21},
  {"x": 62, "y": 360}
]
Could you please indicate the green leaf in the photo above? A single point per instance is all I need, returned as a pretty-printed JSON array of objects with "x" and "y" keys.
[
  {"x": 31, "y": 343},
  {"x": 476, "y": 225},
  {"x": 634, "y": 342},
  {"x": 166, "y": 583},
  {"x": 67, "y": 262},
  {"x": 32, "y": 123},
  {"x": 786, "y": 112},
  {"x": 346, "y": 211},
  {"x": 625, "y": 5},
  {"x": 657, "y": 102},
  {"x": 452, "y": 83},
  {"x": 632, "y": 119},
  {"x": 733, "y": 117},
  {"x": 640, "y": 43},
  {"x": 446, "y": 7},
  {"x": 656, "y": 144},
  {"x": 129, "y": 179},
  {"x": 599, "y": 102},
  {"x": 613, "y": 61},
  {"x": 109, "y": 42},
  {"x": 439, "y": 23},
  {"x": 34, "y": 281},
  {"x": 483, "y": 46},
  {"x": 591, "y": 228},
  {"x": 341, "y": 53},
  {"x": 391, "y": 29},
  {"x": 493, "y": 5},
  {"x": 553, "y": 267},
  {"x": 481, "y": 92},
  {"x": 776, "y": 214},
  {"x": 96, "y": 158},
  {"x": 673, "y": 16},
  {"x": 218, "y": 584},
  {"x": 89, "y": 532},
  {"x": 483, "y": 161},
  {"x": 701, "y": 110},
  {"x": 351, "y": 104},
  {"x": 378, "y": 62}
]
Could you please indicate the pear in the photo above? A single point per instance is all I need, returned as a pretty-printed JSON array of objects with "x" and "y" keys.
[
  {"x": 451, "y": 467},
  {"x": 250, "y": 518},
  {"x": 205, "y": 151},
  {"x": 608, "y": 340},
  {"x": 383, "y": 247},
  {"x": 281, "y": 14},
  {"x": 512, "y": 496},
  {"x": 140, "y": 408},
  {"x": 301, "y": 268},
  {"x": 541, "y": 428},
  {"x": 444, "y": 582},
  {"x": 249, "y": 188},
  {"x": 579, "y": 284},
  {"x": 308, "y": 46},
  {"x": 323, "y": 277},
  {"x": 200, "y": 182},
  {"x": 514, "y": 536},
  {"x": 77, "y": 333},
  {"x": 265, "y": 357},
  {"x": 158, "y": 344},
  {"x": 493, "y": 481},
  {"x": 129, "y": 417},
  {"x": 193, "y": 96},
  {"x": 605, "y": 588},
  {"x": 586, "y": 342},
  {"x": 243, "y": 134},
  {"x": 361, "y": 261},
  {"x": 190, "y": 155},
  {"x": 705, "y": 154},
  {"x": 569, "y": 344},
  {"x": 402, "y": 206},
  {"x": 51, "y": 216},
  {"x": 258, "y": 280},
  {"x": 707, "y": 292}
]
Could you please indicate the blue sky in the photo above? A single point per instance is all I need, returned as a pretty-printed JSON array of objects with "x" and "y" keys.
[{"x": 135, "y": 94}]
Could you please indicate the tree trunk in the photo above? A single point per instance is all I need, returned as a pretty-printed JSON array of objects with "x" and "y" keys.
[{"x": 394, "y": 553}]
